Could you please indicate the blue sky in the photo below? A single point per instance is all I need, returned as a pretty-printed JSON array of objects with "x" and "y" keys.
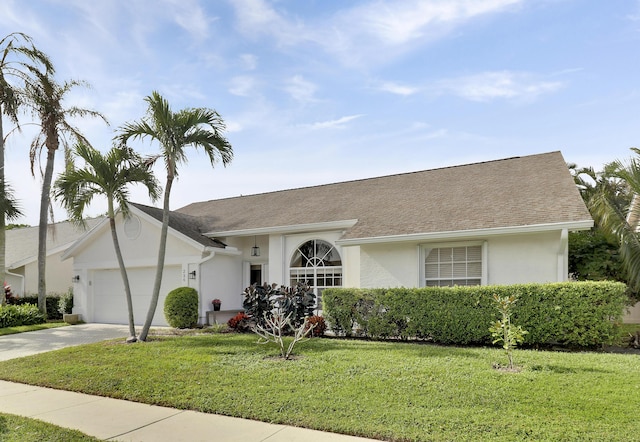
[{"x": 320, "y": 91}]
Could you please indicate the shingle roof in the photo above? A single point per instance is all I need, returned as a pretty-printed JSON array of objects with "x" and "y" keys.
[
  {"x": 183, "y": 223},
  {"x": 520, "y": 191},
  {"x": 22, "y": 244}
]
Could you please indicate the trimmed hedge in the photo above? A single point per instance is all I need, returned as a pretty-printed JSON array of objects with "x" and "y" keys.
[
  {"x": 573, "y": 314},
  {"x": 52, "y": 302},
  {"x": 16, "y": 315},
  {"x": 181, "y": 307}
]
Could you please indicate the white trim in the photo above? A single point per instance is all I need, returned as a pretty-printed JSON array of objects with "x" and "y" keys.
[
  {"x": 455, "y": 234},
  {"x": 424, "y": 247},
  {"x": 84, "y": 238},
  {"x": 294, "y": 228},
  {"x": 21, "y": 280},
  {"x": 33, "y": 258}
]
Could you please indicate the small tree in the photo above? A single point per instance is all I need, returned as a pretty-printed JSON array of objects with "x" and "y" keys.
[
  {"x": 276, "y": 326},
  {"x": 503, "y": 330}
]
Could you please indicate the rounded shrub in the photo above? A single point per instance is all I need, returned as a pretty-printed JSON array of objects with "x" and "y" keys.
[{"x": 181, "y": 307}]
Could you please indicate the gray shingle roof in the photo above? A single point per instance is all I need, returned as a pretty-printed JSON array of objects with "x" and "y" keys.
[
  {"x": 183, "y": 223},
  {"x": 22, "y": 244},
  {"x": 520, "y": 191}
]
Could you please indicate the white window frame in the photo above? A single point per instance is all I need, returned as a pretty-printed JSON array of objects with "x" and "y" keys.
[
  {"x": 426, "y": 248},
  {"x": 315, "y": 270}
]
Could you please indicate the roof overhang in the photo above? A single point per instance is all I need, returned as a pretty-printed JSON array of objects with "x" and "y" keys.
[
  {"x": 295, "y": 228},
  {"x": 467, "y": 234}
]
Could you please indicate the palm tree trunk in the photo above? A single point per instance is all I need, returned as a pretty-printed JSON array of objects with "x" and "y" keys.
[
  {"x": 123, "y": 272},
  {"x": 160, "y": 267},
  {"x": 3, "y": 298},
  {"x": 42, "y": 232}
]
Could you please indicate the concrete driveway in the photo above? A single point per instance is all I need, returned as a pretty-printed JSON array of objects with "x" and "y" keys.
[{"x": 30, "y": 343}]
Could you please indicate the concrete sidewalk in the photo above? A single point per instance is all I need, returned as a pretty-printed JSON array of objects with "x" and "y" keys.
[
  {"x": 118, "y": 420},
  {"x": 113, "y": 419}
]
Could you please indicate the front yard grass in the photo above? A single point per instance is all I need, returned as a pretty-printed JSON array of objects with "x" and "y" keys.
[
  {"x": 390, "y": 391},
  {"x": 22, "y": 429},
  {"x": 27, "y": 328}
]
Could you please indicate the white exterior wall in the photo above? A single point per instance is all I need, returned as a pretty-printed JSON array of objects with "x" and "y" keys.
[
  {"x": 389, "y": 265},
  {"x": 511, "y": 259},
  {"x": 525, "y": 258},
  {"x": 351, "y": 266},
  {"x": 58, "y": 275},
  {"x": 221, "y": 278},
  {"x": 138, "y": 253}
]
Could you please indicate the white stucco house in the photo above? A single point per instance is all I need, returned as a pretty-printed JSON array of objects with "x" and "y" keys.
[
  {"x": 21, "y": 257},
  {"x": 497, "y": 222}
]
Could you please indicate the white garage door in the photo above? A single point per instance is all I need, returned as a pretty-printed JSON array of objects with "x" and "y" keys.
[{"x": 110, "y": 303}]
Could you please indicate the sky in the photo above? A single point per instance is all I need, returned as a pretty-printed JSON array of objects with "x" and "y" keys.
[{"x": 319, "y": 91}]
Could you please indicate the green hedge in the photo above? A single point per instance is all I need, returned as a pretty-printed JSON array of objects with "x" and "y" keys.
[
  {"x": 52, "y": 301},
  {"x": 181, "y": 307},
  {"x": 583, "y": 314},
  {"x": 16, "y": 315}
]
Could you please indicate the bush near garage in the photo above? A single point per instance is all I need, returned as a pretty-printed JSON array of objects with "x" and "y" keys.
[
  {"x": 16, "y": 315},
  {"x": 181, "y": 307},
  {"x": 52, "y": 302},
  {"x": 572, "y": 314}
]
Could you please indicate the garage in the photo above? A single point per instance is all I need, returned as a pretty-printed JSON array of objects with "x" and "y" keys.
[{"x": 109, "y": 301}]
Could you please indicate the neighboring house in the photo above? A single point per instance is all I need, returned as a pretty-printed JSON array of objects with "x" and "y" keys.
[
  {"x": 497, "y": 222},
  {"x": 21, "y": 257}
]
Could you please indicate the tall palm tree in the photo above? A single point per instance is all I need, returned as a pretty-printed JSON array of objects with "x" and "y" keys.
[
  {"x": 18, "y": 57},
  {"x": 174, "y": 131},
  {"x": 108, "y": 175},
  {"x": 45, "y": 97},
  {"x": 620, "y": 217}
]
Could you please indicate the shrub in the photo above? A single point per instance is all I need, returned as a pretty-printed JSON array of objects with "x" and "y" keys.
[
  {"x": 16, "y": 315},
  {"x": 65, "y": 303},
  {"x": 52, "y": 303},
  {"x": 575, "y": 314},
  {"x": 297, "y": 303},
  {"x": 181, "y": 307},
  {"x": 318, "y": 324},
  {"x": 240, "y": 323}
]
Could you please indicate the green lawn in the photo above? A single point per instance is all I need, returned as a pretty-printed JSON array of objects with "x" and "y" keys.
[
  {"x": 28, "y": 328},
  {"x": 22, "y": 429},
  {"x": 382, "y": 390}
]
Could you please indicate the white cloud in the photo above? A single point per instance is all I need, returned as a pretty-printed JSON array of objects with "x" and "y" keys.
[
  {"x": 191, "y": 17},
  {"x": 242, "y": 86},
  {"x": 331, "y": 124},
  {"x": 488, "y": 86},
  {"x": 249, "y": 61},
  {"x": 367, "y": 32},
  {"x": 398, "y": 89},
  {"x": 300, "y": 89}
]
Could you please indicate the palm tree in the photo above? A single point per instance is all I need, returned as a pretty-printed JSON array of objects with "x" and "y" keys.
[
  {"x": 107, "y": 175},
  {"x": 174, "y": 131},
  {"x": 619, "y": 217},
  {"x": 45, "y": 97},
  {"x": 18, "y": 57}
]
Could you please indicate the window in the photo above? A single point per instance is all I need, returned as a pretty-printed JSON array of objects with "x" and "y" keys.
[
  {"x": 317, "y": 263},
  {"x": 449, "y": 266}
]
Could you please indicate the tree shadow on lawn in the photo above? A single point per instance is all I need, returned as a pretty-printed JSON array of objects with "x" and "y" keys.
[{"x": 219, "y": 344}]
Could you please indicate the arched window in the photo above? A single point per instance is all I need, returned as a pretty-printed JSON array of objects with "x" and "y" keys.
[{"x": 317, "y": 263}]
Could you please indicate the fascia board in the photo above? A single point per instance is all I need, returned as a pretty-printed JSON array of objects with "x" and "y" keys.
[
  {"x": 294, "y": 228},
  {"x": 464, "y": 234}
]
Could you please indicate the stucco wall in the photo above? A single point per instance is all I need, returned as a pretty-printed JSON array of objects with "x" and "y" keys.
[
  {"x": 221, "y": 278},
  {"x": 524, "y": 258},
  {"x": 510, "y": 259},
  {"x": 139, "y": 251},
  {"x": 58, "y": 275}
]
